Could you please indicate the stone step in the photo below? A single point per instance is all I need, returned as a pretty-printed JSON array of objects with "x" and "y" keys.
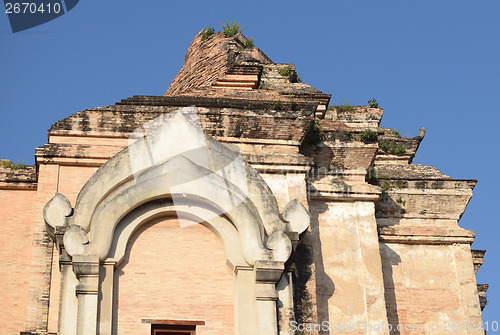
[
  {"x": 235, "y": 84},
  {"x": 240, "y": 78}
]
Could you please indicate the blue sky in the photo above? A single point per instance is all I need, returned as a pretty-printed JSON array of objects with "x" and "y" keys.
[{"x": 432, "y": 64}]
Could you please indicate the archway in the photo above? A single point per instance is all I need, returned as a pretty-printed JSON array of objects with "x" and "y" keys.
[
  {"x": 220, "y": 191},
  {"x": 173, "y": 270}
]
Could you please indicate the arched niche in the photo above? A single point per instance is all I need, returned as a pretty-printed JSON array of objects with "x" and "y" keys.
[
  {"x": 175, "y": 168},
  {"x": 174, "y": 268},
  {"x": 217, "y": 224}
]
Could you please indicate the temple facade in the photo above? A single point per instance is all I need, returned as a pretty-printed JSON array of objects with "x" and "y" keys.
[{"x": 240, "y": 202}]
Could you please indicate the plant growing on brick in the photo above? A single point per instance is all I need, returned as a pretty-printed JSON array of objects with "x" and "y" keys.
[
  {"x": 249, "y": 43},
  {"x": 346, "y": 107},
  {"x": 285, "y": 71},
  {"x": 207, "y": 33},
  {"x": 400, "y": 201},
  {"x": 393, "y": 148},
  {"x": 10, "y": 165},
  {"x": 386, "y": 186},
  {"x": 384, "y": 146},
  {"x": 396, "y": 133},
  {"x": 373, "y": 103},
  {"x": 369, "y": 136},
  {"x": 231, "y": 28},
  {"x": 314, "y": 134},
  {"x": 399, "y": 149},
  {"x": 278, "y": 105}
]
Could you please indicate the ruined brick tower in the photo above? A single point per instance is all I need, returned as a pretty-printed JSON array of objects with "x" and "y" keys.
[{"x": 239, "y": 202}]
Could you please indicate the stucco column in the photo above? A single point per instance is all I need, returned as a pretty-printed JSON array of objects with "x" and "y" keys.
[
  {"x": 68, "y": 303},
  {"x": 267, "y": 274},
  {"x": 86, "y": 268},
  {"x": 106, "y": 282},
  {"x": 244, "y": 301},
  {"x": 285, "y": 293}
]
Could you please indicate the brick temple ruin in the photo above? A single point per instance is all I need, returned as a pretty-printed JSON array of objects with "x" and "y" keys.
[{"x": 239, "y": 202}]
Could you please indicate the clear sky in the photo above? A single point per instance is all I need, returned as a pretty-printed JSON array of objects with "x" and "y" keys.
[{"x": 432, "y": 64}]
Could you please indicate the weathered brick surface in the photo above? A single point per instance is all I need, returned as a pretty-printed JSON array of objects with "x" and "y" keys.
[
  {"x": 477, "y": 257},
  {"x": 359, "y": 117},
  {"x": 41, "y": 253},
  {"x": 17, "y": 209},
  {"x": 348, "y": 274},
  {"x": 205, "y": 61},
  {"x": 425, "y": 284},
  {"x": 55, "y": 291},
  {"x": 218, "y": 117},
  {"x": 24, "y": 178},
  {"x": 174, "y": 273},
  {"x": 72, "y": 179},
  {"x": 410, "y": 172},
  {"x": 210, "y": 59}
]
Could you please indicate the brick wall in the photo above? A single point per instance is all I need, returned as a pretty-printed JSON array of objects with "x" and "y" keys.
[
  {"x": 41, "y": 253},
  {"x": 55, "y": 292},
  {"x": 174, "y": 273},
  {"x": 17, "y": 208},
  {"x": 424, "y": 285},
  {"x": 72, "y": 179}
]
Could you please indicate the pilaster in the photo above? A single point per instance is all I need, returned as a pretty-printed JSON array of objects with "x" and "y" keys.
[{"x": 86, "y": 268}]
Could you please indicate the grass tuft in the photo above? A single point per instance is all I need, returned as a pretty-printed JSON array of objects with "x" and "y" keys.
[
  {"x": 10, "y": 165},
  {"x": 373, "y": 103},
  {"x": 286, "y": 71},
  {"x": 369, "y": 136},
  {"x": 393, "y": 148},
  {"x": 314, "y": 135},
  {"x": 207, "y": 33},
  {"x": 249, "y": 43},
  {"x": 231, "y": 28},
  {"x": 346, "y": 107}
]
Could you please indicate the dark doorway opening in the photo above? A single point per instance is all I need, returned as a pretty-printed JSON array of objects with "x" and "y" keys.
[
  {"x": 172, "y": 330},
  {"x": 173, "y": 327}
]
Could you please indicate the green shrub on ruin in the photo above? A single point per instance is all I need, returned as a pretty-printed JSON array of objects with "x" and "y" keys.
[{"x": 231, "y": 28}]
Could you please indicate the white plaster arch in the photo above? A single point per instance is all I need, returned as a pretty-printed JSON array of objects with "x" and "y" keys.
[
  {"x": 221, "y": 191},
  {"x": 207, "y": 188},
  {"x": 118, "y": 170},
  {"x": 223, "y": 179}
]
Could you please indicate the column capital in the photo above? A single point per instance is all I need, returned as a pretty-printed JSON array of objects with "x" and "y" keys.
[
  {"x": 268, "y": 271},
  {"x": 86, "y": 268},
  {"x": 86, "y": 265}
]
